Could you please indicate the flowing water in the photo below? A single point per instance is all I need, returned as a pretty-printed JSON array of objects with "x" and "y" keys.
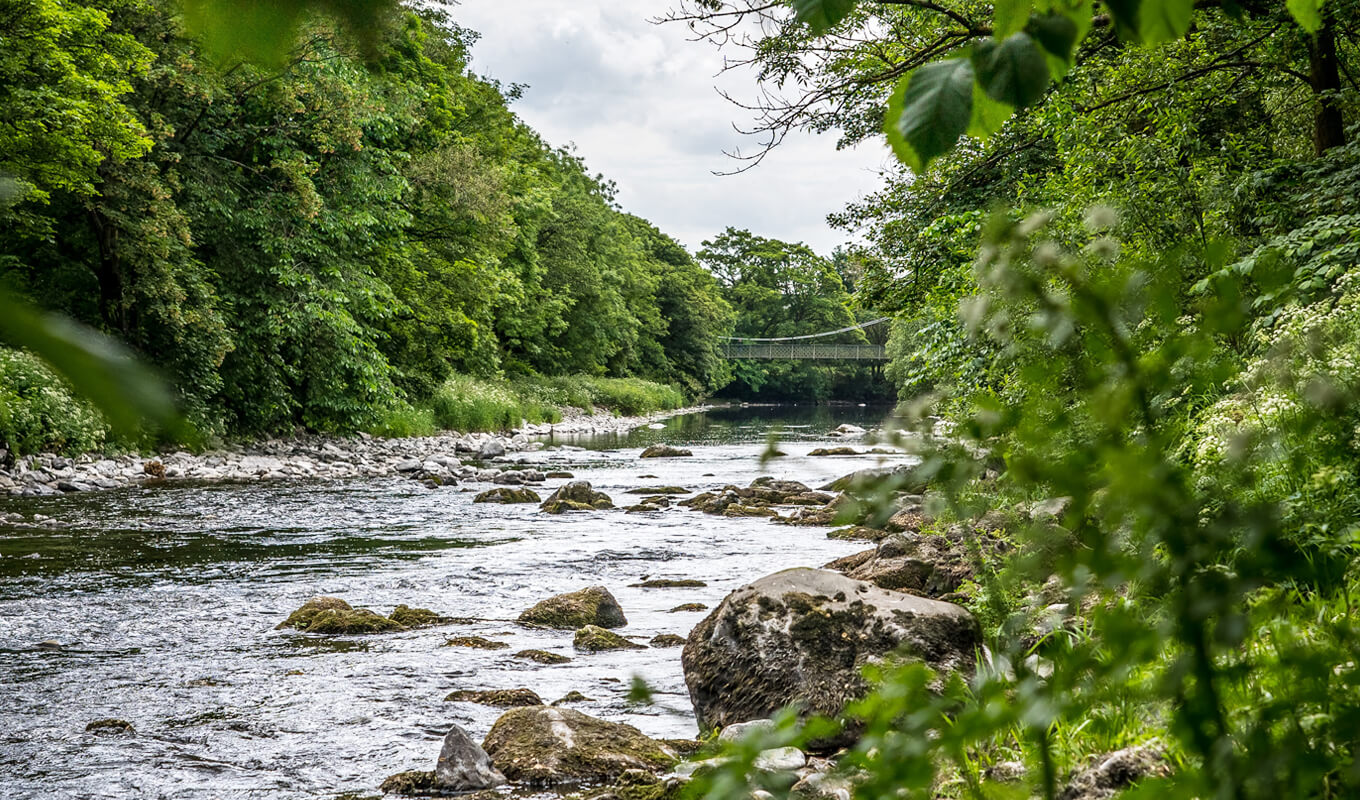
[{"x": 165, "y": 601}]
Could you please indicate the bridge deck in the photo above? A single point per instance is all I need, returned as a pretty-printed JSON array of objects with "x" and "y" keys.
[{"x": 800, "y": 351}]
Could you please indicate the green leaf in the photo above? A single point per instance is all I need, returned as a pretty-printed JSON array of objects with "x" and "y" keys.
[
  {"x": 929, "y": 111},
  {"x": 1055, "y": 33},
  {"x": 1012, "y": 71},
  {"x": 1124, "y": 13},
  {"x": 263, "y": 31},
  {"x": 988, "y": 114},
  {"x": 820, "y": 15},
  {"x": 1308, "y": 13},
  {"x": 1163, "y": 20},
  {"x": 97, "y": 367},
  {"x": 1009, "y": 16}
]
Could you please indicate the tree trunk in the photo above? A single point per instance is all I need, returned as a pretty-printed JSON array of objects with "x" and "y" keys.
[
  {"x": 108, "y": 272},
  {"x": 1325, "y": 78}
]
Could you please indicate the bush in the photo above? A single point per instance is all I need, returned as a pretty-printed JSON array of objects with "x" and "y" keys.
[
  {"x": 38, "y": 412},
  {"x": 404, "y": 421}
]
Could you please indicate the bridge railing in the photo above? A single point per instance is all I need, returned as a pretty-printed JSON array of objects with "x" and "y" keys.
[{"x": 802, "y": 351}]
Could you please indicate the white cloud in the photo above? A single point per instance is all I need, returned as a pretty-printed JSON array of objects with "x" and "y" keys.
[{"x": 638, "y": 101}]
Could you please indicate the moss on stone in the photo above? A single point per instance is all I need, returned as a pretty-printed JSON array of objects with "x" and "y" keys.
[
  {"x": 502, "y": 698},
  {"x": 542, "y": 657},
  {"x": 507, "y": 494},
  {"x": 667, "y": 640},
  {"x": 571, "y": 697},
  {"x": 417, "y": 617},
  {"x": 359, "y": 620},
  {"x": 548, "y": 746},
  {"x": 658, "y": 490},
  {"x": 689, "y": 607},
  {"x": 476, "y": 642},
  {"x": 668, "y": 583},
  {"x": 593, "y": 638},
  {"x": 301, "y": 618},
  {"x": 835, "y": 451},
  {"x": 412, "y": 783},
  {"x": 111, "y": 727},
  {"x": 664, "y": 451},
  {"x": 593, "y": 605}
]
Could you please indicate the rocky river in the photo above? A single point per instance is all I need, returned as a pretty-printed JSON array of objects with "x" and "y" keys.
[{"x": 156, "y": 602}]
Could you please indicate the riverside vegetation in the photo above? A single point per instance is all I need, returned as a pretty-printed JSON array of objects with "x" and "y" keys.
[{"x": 1125, "y": 338}]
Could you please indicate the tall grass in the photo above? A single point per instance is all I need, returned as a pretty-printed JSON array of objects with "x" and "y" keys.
[
  {"x": 470, "y": 404},
  {"x": 628, "y": 396}
]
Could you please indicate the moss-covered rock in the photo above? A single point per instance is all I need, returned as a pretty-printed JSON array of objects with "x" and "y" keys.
[
  {"x": 417, "y": 617},
  {"x": 664, "y": 451},
  {"x": 835, "y": 451},
  {"x": 639, "y": 785},
  {"x": 359, "y": 620},
  {"x": 542, "y": 657},
  {"x": 929, "y": 565},
  {"x": 593, "y": 638},
  {"x": 738, "y": 510},
  {"x": 475, "y": 642},
  {"x": 658, "y": 490},
  {"x": 547, "y": 746},
  {"x": 593, "y": 605},
  {"x": 111, "y": 727},
  {"x": 559, "y": 474},
  {"x": 412, "y": 783},
  {"x": 667, "y": 640},
  {"x": 668, "y": 583},
  {"x": 301, "y": 618},
  {"x": 507, "y": 494},
  {"x": 876, "y": 480},
  {"x": 576, "y": 496},
  {"x": 801, "y": 637},
  {"x": 571, "y": 697},
  {"x": 689, "y": 607},
  {"x": 502, "y": 698}
]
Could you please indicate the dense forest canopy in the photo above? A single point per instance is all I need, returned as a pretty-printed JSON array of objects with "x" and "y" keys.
[{"x": 320, "y": 238}]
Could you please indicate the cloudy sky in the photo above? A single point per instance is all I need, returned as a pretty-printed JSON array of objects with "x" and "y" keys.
[{"x": 638, "y": 100}]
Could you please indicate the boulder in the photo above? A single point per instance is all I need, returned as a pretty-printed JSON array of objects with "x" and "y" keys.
[
  {"x": 664, "y": 451},
  {"x": 491, "y": 448},
  {"x": 576, "y": 496},
  {"x": 543, "y": 657},
  {"x": 668, "y": 583},
  {"x": 475, "y": 642},
  {"x": 593, "y": 639},
  {"x": 802, "y": 636},
  {"x": 301, "y": 618},
  {"x": 689, "y": 607},
  {"x": 111, "y": 727},
  {"x": 463, "y": 765},
  {"x": 504, "y": 698},
  {"x": 835, "y": 451},
  {"x": 667, "y": 640},
  {"x": 547, "y": 746},
  {"x": 504, "y": 494},
  {"x": 593, "y": 605},
  {"x": 929, "y": 565},
  {"x": 359, "y": 620},
  {"x": 658, "y": 490},
  {"x": 901, "y": 478},
  {"x": 417, "y": 617}
]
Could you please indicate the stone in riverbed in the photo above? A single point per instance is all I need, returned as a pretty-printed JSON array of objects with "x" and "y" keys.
[
  {"x": 667, "y": 640},
  {"x": 689, "y": 607},
  {"x": 111, "y": 727},
  {"x": 593, "y": 639},
  {"x": 835, "y": 451},
  {"x": 301, "y": 618},
  {"x": 334, "y": 616},
  {"x": 658, "y": 490},
  {"x": 571, "y": 697},
  {"x": 801, "y": 636},
  {"x": 664, "y": 451},
  {"x": 463, "y": 766},
  {"x": 475, "y": 642},
  {"x": 593, "y": 605},
  {"x": 576, "y": 496},
  {"x": 507, "y": 495},
  {"x": 545, "y": 746},
  {"x": 668, "y": 583},
  {"x": 559, "y": 474},
  {"x": 543, "y": 657},
  {"x": 504, "y": 698},
  {"x": 417, "y": 617}
]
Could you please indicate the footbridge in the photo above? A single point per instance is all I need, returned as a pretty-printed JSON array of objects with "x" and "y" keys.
[{"x": 807, "y": 347}]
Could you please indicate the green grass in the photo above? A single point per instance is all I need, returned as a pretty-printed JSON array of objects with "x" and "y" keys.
[
  {"x": 465, "y": 403},
  {"x": 405, "y": 421},
  {"x": 628, "y": 396}
]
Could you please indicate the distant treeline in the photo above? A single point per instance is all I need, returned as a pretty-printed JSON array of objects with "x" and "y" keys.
[{"x": 327, "y": 241}]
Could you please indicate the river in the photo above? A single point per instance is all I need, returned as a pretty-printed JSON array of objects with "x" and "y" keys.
[{"x": 165, "y": 601}]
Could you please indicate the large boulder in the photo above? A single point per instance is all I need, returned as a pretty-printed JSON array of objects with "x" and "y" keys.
[
  {"x": 576, "y": 496},
  {"x": 901, "y": 478},
  {"x": 923, "y": 564},
  {"x": 502, "y": 494},
  {"x": 801, "y": 637},
  {"x": 332, "y": 615},
  {"x": 593, "y": 605},
  {"x": 547, "y": 746},
  {"x": 463, "y": 765},
  {"x": 594, "y": 639}
]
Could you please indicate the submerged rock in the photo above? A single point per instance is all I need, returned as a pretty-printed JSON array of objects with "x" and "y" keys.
[
  {"x": 593, "y": 605},
  {"x": 504, "y": 494},
  {"x": 658, "y": 490},
  {"x": 111, "y": 727},
  {"x": 801, "y": 636},
  {"x": 835, "y": 451},
  {"x": 593, "y": 638},
  {"x": 571, "y": 697},
  {"x": 543, "y": 657},
  {"x": 576, "y": 496},
  {"x": 667, "y": 640},
  {"x": 334, "y": 616},
  {"x": 547, "y": 746},
  {"x": 664, "y": 451},
  {"x": 417, "y": 617},
  {"x": 503, "y": 698},
  {"x": 475, "y": 642},
  {"x": 689, "y": 607},
  {"x": 668, "y": 583},
  {"x": 301, "y": 618}
]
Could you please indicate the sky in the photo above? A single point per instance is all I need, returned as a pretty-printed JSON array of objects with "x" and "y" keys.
[{"x": 639, "y": 103}]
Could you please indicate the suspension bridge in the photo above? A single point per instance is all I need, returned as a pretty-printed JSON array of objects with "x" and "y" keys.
[{"x": 806, "y": 347}]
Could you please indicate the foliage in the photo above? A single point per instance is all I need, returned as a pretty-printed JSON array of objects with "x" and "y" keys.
[
  {"x": 39, "y": 414},
  {"x": 469, "y": 404}
]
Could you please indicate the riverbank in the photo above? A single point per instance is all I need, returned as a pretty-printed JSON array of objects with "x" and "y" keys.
[{"x": 444, "y": 458}]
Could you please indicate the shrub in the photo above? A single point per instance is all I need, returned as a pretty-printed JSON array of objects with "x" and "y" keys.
[
  {"x": 405, "y": 420},
  {"x": 38, "y": 412}
]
